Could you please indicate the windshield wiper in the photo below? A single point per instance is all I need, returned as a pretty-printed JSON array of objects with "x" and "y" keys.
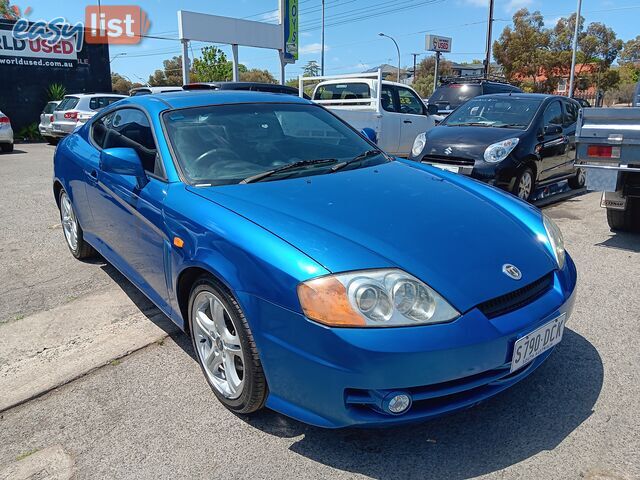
[
  {"x": 510, "y": 125},
  {"x": 359, "y": 158},
  {"x": 289, "y": 166}
]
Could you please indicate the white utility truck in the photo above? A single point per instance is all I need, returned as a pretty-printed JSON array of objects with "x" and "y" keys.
[
  {"x": 608, "y": 147},
  {"x": 392, "y": 114}
]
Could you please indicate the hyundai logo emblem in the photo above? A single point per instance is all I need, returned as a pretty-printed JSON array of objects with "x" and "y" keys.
[
  {"x": 511, "y": 271},
  {"x": 448, "y": 150}
]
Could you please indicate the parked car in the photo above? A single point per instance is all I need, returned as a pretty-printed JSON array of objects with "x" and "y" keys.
[
  {"x": 394, "y": 113},
  {"x": 75, "y": 110},
  {"x": 583, "y": 102},
  {"x": 46, "y": 117},
  {"x": 609, "y": 148},
  {"x": 316, "y": 275},
  {"x": 453, "y": 92},
  {"x": 151, "y": 90},
  {"x": 6, "y": 134},
  {"x": 244, "y": 86},
  {"x": 517, "y": 142},
  {"x": 636, "y": 97}
]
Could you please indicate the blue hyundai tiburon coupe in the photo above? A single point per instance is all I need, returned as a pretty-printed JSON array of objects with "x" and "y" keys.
[{"x": 315, "y": 274}]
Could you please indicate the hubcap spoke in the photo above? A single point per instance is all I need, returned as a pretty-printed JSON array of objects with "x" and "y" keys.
[{"x": 231, "y": 374}]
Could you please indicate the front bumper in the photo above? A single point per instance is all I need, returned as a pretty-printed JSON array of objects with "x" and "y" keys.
[{"x": 325, "y": 376}]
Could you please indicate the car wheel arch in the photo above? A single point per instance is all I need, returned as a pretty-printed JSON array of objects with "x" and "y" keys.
[{"x": 57, "y": 188}]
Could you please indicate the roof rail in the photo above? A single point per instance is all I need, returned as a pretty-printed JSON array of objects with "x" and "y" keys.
[{"x": 473, "y": 79}]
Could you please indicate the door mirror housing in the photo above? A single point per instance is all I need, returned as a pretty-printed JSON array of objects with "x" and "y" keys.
[
  {"x": 552, "y": 130},
  {"x": 123, "y": 161},
  {"x": 432, "y": 109},
  {"x": 370, "y": 133}
]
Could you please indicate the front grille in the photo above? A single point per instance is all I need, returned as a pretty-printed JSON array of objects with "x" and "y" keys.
[
  {"x": 448, "y": 160},
  {"x": 518, "y": 298}
]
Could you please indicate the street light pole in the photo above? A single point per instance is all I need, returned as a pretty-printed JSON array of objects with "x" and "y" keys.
[
  {"x": 121, "y": 54},
  {"x": 415, "y": 75},
  {"x": 322, "y": 41},
  {"x": 397, "y": 48},
  {"x": 572, "y": 75}
]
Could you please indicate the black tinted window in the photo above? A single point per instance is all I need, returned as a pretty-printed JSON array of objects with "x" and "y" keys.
[
  {"x": 454, "y": 95},
  {"x": 51, "y": 106},
  {"x": 570, "y": 113},
  {"x": 129, "y": 128},
  {"x": 68, "y": 103},
  {"x": 98, "y": 103},
  {"x": 388, "y": 99},
  {"x": 553, "y": 114}
]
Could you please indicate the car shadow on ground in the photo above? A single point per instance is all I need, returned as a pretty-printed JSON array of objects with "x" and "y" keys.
[
  {"x": 14, "y": 152},
  {"x": 533, "y": 416},
  {"x": 622, "y": 241}
]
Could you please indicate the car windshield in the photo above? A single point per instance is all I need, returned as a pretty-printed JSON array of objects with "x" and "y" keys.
[
  {"x": 451, "y": 96},
  {"x": 503, "y": 111},
  {"x": 50, "y": 107},
  {"x": 225, "y": 144}
]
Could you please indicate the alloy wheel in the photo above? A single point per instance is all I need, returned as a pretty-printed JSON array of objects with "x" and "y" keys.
[
  {"x": 218, "y": 345},
  {"x": 69, "y": 222},
  {"x": 582, "y": 177},
  {"x": 525, "y": 185}
]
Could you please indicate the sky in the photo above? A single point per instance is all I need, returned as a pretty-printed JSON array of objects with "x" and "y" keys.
[{"x": 352, "y": 27}]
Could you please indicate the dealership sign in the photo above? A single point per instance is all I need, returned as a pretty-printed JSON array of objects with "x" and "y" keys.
[
  {"x": 436, "y": 43},
  {"x": 22, "y": 52}
]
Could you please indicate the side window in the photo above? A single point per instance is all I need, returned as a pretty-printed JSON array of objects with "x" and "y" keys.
[
  {"x": 98, "y": 103},
  {"x": 409, "y": 103},
  {"x": 570, "y": 113},
  {"x": 129, "y": 128},
  {"x": 100, "y": 128},
  {"x": 388, "y": 99},
  {"x": 553, "y": 114}
]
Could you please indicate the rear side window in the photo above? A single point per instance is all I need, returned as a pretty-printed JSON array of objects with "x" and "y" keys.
[
  {"x": 342, "y": 91},
  {"x": 98, "y": 103},
  {"x": 453, "y": 95},
  {"x": 50, "y": 107},
  {"x": 570, "y": 113},
  {"x": 68, "y": 103},
  {"x": 388, "y": 99}
]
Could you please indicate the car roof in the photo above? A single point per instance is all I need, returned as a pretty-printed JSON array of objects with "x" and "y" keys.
[
  {"x": 82, "y": 95},
  {"x": 540, "y": 96},
  {"x": 201, "y": 98}
]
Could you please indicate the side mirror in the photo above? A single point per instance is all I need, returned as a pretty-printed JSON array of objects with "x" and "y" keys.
[
  {"x": 432, "y": 109},
  {"x": 370, "y": 133},
  {"x": 123, "y": 161},
  {"x": 552, "y": 130}
]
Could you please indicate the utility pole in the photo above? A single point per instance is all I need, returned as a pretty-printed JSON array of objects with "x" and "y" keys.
[
  {"x": 487, "y": 60},
  {"x": 415, "y": 75},
  {"x": 435, "y": 73},
  {"x": 322, "y": 41},
  {"x": 572, "y": 75}
]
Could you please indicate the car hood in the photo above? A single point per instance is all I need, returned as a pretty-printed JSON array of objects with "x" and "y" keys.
[
  {"x": 453, "y": 233},
  {"x": 465, "y": 142}
]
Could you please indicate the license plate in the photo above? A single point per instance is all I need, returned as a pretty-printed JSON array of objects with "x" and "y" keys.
[
  {"x": 537, "y": 342},
  {"x": 613, "y": 200},
  {"x": 448, "y": 168}
]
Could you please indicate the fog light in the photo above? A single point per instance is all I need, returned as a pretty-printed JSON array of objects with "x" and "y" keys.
[{"x": 397, "y": 403}]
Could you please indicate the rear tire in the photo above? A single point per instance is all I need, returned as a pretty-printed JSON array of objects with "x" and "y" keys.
[
  {"x": 225, "y": 348},
  {"x": 525, "y": 184},
  {"x": 627, "y": 220},
  {"x": 579, "y": 180},
  {"x": 72, "y": 231},
  {"x": 51, "y": 140},
  {"x": 7, "y": 147}
]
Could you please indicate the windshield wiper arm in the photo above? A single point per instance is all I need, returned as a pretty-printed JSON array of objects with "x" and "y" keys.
[
  {"x": 289, "y": 166},
  {"x": 362, "y": 156}
]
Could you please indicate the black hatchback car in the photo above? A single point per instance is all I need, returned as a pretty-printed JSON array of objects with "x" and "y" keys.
[
  {"x": 453, "y": 92},
  {"x": 514, "y": 141}
]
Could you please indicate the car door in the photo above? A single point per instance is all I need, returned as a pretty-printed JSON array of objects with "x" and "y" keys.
[
  {"x": 553, "y": 143},
  {"x": 569, "y": 125},
  {"x": 389, "y": 138},
  {"x": 414, "y": 118},
  {"x": 129, "y": 216}
]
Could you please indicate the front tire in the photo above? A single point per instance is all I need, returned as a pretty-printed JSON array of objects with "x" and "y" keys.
[
  {"x": 73, "y": 233},
  {"x": 225, "y": 348},
  {"x": 7, "y": 147},
  {"x": 625, "y": 220},
  {"x": 524, "y": 185}
]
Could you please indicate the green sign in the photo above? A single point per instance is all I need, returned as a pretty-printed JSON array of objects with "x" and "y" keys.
[{"x": 291, "y": 30}]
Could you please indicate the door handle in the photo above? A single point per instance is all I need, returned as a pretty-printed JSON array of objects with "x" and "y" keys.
[
  {"x": 93, "y": 174},
  {"x": 407, "y": 121}
]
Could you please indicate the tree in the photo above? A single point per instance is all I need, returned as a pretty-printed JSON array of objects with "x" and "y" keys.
[
  {"x": 8, "y": 11},
  {"x": 423, "y": 80},
  {"x": 170, "y": 75},
  {"x": 631, "y": 52},
  {"x": 213, "y": 66},
  {"x": 311, "y": 69},
  {"x": 257, "y": 75},
  {"x": 55, "y": 92},
  {"x": 121, "y": 84},
  {"x": 523, "y": 50}
]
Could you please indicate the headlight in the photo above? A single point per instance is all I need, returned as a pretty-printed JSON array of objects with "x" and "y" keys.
[
  {"x": 418, "y": 144},
  {"x": 499, "y": 151},
  {"x": 373, "y": 298},
  {"x": 556, "y": 240}
]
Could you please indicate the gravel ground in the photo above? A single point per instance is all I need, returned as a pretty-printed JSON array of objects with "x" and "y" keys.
[{"x": 153, "y": 415}]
